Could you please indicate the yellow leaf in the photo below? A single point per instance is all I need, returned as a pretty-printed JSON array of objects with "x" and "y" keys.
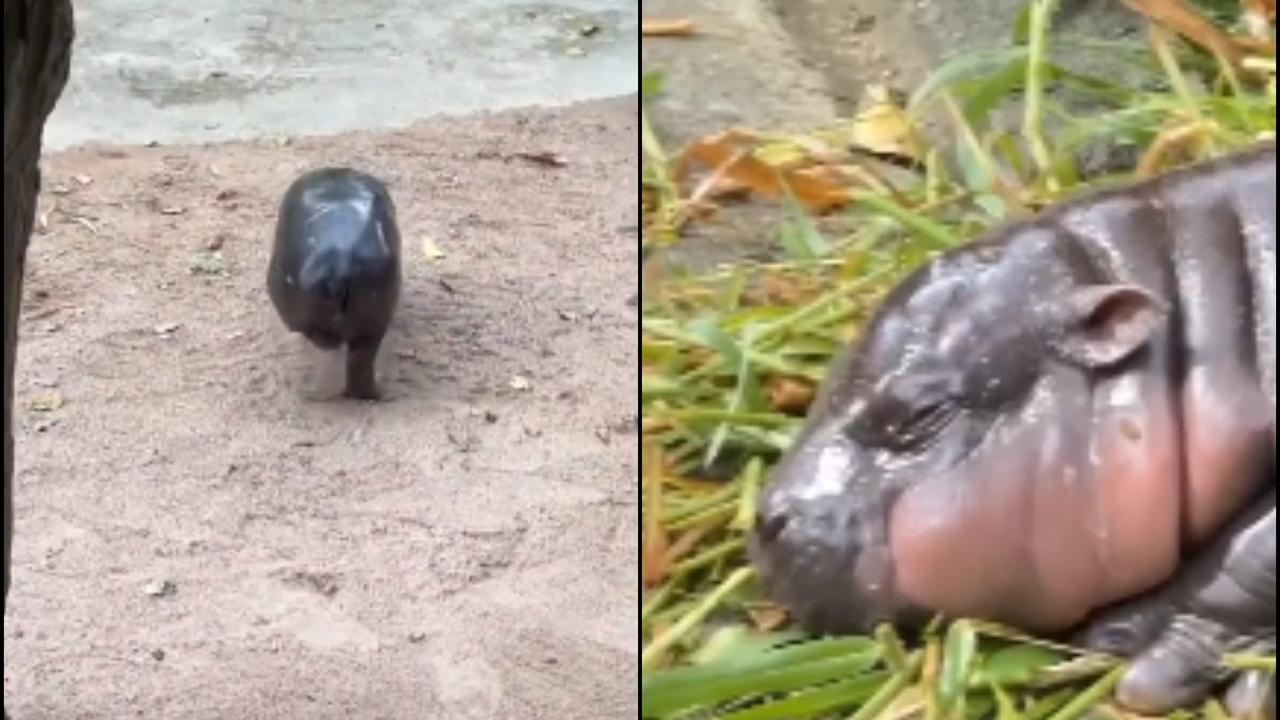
[
  {"x": 47, "y": 403},
  {"x": 885, "y": 128},
  {"x": 431, "y": 251}
]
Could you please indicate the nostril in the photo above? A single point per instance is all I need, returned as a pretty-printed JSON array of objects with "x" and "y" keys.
[{"x": 770, "y": 525}]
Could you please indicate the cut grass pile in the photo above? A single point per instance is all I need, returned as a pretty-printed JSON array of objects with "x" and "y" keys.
[{"x": 731, "y": 359}]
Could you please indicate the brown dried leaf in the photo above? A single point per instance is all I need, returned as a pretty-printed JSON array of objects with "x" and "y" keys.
[
  {"x": 654, "y": 567},
  {"x": 668, "y": 28},
  {"x": 814, "y": 188},
  {"x": 767, "y": 617},
  {"x": 1262, "y": 8},
  {"x": 783, "y": 290},
  {"x": 1173, "y": 147},
  {"x": 545, "y": 159},
  {"x": 651, "y": 425},
  {"x": 687, "y": 542},
  {"x": 788, "y": 395},
  {"x": 1188, "y": 22},
  {"x": 728, "y": 189}
]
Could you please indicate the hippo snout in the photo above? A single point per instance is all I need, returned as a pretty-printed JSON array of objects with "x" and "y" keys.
[{"x": 824, "y": 557}]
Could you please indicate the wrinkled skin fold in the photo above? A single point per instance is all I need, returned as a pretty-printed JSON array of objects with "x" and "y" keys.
[
  {"x": 1068, "y": 426},
  {"x": 37, "y": 53},
  {"x": 1224, "y": 601}
]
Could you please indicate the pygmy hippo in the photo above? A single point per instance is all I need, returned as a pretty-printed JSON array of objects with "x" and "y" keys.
[
  {"x": 335, "y": 271},
  {"x": 1066, "y": 426}
]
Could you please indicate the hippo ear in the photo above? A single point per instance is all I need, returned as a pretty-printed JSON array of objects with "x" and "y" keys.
[{"x": 1102, "y": 325}]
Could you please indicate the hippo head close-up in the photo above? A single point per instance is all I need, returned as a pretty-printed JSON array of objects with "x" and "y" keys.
[{"x": 958, "y": 457}]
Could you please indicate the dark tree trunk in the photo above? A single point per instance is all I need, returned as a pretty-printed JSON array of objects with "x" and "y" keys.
[{"x": 37, "y": 51}]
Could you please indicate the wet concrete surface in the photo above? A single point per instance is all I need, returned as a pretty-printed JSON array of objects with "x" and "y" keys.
[
  {"x": 149, "y": 70},
  {"x": 857, "y": 42},
  {"x": 783, "y": 64},
  {"x": 743, "y": 67}
]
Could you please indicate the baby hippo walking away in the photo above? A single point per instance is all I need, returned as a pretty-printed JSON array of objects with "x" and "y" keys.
[{"x": 335, "y": 270}]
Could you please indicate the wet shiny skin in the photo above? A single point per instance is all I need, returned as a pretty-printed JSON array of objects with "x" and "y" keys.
[
  {"x": 335, "y": 269},
  {"x": 1044, "y": 423}
]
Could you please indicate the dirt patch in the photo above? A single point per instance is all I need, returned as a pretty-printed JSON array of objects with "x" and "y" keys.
[{"x": 199, "y": 537}]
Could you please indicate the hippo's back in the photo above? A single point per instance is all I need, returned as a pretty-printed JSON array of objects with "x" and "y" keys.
[
  {"x": 337, "y": 211},
  {"x": 1223, "y": 223},
  {"x": 1204, "y": 239},
  {"x": 335, "y": 265}
]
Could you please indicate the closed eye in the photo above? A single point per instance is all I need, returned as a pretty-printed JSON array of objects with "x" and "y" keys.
[{"x": 924, "y": 424}]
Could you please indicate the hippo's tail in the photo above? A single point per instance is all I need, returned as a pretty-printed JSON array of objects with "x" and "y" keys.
[
  {"x": 327, "y": 278},
  {"x": 336, "y": 291}
]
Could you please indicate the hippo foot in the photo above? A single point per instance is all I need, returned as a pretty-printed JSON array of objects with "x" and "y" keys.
[
  {"x": 1183, "y": 668},
  {"x": 1253, "y": 695},
  {"x": 362, "y": 355},
  {"x": 367, "y": 393},
  {"x": 1178, "y": 636}
]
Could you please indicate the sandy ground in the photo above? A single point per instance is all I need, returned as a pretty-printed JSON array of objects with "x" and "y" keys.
[{"x": 199, "y": 537}]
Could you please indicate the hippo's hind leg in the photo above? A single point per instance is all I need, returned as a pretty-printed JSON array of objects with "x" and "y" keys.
[
  {"x": 362, "y": 357},
  {"x": 1224, "y": 602}
]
